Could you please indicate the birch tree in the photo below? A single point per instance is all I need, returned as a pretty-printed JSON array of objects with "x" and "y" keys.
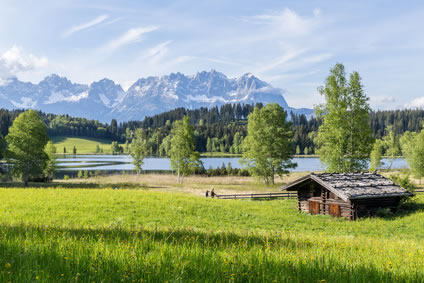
[
  {"x": 184, "y": 158},
  {"x": 267, "y": 147},
  {"x": 25, "y": 146},
  {"x": 138, "y": 150},
  {"x": 344, "y": 139}
]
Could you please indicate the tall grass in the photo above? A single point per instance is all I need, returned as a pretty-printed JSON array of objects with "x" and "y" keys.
[{"x": 58, "y": 235}]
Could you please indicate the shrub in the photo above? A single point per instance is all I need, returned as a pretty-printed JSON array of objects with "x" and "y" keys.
[
  {"x": 66, "y": 177},
  {"x": 404, "y": 182}
]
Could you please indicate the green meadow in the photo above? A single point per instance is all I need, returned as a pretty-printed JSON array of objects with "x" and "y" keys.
[
  {"x": 83, "y": 145},
  {"x": 141, "y": 235}
]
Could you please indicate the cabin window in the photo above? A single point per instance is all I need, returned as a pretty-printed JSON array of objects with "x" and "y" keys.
[{"x": 317, "y": 192}]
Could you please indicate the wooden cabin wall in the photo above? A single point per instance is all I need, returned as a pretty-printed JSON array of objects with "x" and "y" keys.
[
  {"x": 369, "y": 207},
  {"x": 328, "y": 203}
]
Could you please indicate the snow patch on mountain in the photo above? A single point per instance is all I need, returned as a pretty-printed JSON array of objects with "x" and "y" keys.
[
  {"x": 105, "y": 100},
  {"x": 26, "y": 102}
]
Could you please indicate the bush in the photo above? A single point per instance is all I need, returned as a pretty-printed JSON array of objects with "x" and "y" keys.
[
  {"x": 384, "y": 212},
  {"x": 66, "y": 177},
  {"x": 404, "y": 182}
]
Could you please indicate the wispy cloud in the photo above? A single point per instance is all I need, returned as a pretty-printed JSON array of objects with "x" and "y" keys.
[
  {"x": 84, "y": 26},
  {"x": 132, "y": 35},
  {"x": 156, "y": 53},
  {"x": 289, "y": 23},
  {"x": 290, "y": 55}
]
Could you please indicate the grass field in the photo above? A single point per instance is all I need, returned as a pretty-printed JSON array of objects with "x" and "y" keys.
[
  {"x": 83, "y": 145},
  {"x": 139, "y": 235}
]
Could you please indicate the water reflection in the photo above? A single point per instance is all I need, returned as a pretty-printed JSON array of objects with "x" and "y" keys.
[{"x": 123, "y": 162}]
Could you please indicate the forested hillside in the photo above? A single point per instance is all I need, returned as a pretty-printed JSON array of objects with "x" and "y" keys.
[{"x": 217, "y": 129}]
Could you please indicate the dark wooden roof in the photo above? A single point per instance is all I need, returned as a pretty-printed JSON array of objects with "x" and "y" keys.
[{"x": 353, "y": 185}]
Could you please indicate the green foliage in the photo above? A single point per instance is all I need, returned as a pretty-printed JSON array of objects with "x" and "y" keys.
[
  {"x": 98, "y": 150},
  {"x": 391, "y": 145},
  {"x": 184, "y": 158},
  {"x": 165, "y": 147},
  {"x": 50, "y": 150},
  {"x": 138, "y": 150},
  {"x": 80, "y": 174},
  {"x": 297, "y": 150},
  {"x": 413, "y": 150},
  {"x": 114, "y": 148},
  {"x": 133, "y": 235},
  {"x": 404, "y": 181},
  {"x": 74, "y": 150},
  {"x": 344, "y": 139},
  {"x": 376, "y": 155},
  {"x": 26, "y": 141},
  {"x": 66, "y": 177},
  {"x": 267, "y": 147}
]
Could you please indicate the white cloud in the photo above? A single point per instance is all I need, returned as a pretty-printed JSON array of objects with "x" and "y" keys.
[
  {"x": 416, "y": 103},
  {"x": 132, "y": 35},
  {"x": 289, "y": 23},
  {"x": 14, "y": 61},
  {"x": 84, "y": 26}
]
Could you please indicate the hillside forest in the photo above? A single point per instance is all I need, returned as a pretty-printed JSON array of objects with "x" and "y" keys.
[{"x": 217, "y": 129}]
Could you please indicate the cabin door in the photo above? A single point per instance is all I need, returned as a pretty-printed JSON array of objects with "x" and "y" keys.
[
  {"x": 335, "y": 210},
  {"x": 313, "y": 207}
]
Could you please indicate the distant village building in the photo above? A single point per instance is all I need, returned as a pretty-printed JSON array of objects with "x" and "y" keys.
[{"x": 346, "y": 195}]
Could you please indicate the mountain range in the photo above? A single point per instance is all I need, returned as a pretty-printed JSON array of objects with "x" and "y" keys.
[{"x": 105, "y": 100}]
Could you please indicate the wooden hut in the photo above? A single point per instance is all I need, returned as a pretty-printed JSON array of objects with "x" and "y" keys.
[{"x": 346, "y": 195}]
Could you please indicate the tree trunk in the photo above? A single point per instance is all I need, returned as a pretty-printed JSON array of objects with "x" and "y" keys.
[
  {"x": 178, "y": 175},
  {"x": 26, "y": 178},
  {"x": 182, "y": 178}
]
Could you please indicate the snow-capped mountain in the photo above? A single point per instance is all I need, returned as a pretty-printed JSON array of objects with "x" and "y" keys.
[{"x": 104, "y": 100}]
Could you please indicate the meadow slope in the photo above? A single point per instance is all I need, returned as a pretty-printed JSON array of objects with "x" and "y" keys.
[{"x": 138, "y": 235}]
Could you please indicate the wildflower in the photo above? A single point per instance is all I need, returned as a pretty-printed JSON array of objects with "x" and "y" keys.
[
  {"x": 62, "y": 274},
  {"x": 37, "y": 277},
  {"x": 7, "y": 265}
]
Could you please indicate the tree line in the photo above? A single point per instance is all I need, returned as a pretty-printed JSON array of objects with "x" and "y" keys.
[{"x": 217, "y": 129}]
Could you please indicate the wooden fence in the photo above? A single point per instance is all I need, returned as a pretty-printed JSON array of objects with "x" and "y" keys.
[
  {"x": 258, "y": 196},
  {"x": 419, "y": 191}
]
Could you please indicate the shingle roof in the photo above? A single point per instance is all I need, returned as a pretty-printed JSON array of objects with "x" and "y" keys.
[{"x": 353, "y": 185}]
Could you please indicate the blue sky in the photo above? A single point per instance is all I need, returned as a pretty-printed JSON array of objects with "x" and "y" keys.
[{"x": 290, "y": 44}]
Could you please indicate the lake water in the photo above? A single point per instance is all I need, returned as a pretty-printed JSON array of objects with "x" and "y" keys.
[{"x": 123, "y": 162}]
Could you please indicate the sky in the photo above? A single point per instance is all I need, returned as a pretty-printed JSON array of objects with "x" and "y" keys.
[{"x": 290, "y": 44}]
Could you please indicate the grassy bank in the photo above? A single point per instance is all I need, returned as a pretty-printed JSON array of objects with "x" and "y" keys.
[
  {"x": 67, "y": 235},
  {"x": 83, "y": 145}
]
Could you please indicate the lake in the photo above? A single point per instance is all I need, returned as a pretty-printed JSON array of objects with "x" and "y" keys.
[{"x": 123, "y": 163}]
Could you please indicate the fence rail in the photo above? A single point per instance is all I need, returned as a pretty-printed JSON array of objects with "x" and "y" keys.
[
  {"x": 258, "y": 196},
  {"x": 419, "y": 191}
]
